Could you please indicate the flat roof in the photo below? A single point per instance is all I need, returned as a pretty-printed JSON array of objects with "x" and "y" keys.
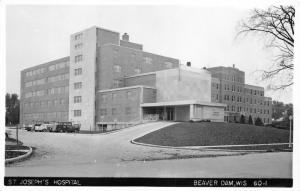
[
  {"x": 124, "y": 88},
  {"x": 182, "y": 102}
]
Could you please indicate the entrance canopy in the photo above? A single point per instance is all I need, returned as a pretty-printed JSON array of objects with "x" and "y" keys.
[{"x": 185, "y": 110}]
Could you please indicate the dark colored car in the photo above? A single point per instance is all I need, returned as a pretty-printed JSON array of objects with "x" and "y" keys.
[
  {"x": 29, "y": 127},
  {"x": 67, "y": 127}
]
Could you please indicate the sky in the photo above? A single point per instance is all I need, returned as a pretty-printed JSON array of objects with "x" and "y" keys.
[{"x": 205, "y": 36}]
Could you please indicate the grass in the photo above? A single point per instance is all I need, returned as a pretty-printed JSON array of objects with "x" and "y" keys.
[
  {"x": 13, "y": 154},
  {"x": 211, "y": 133},
  {"x": 16, "y": 147}
]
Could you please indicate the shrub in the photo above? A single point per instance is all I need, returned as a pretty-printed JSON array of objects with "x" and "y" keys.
[
  {"x": 258, "y": 122},
  {"x": 250, "y": 121},
  {"x": 242, "y": 119}
]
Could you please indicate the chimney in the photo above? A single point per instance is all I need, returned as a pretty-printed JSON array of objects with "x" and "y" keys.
[
  {"x": 125, "y": 37},
  {"x": 188, "y": 64}
]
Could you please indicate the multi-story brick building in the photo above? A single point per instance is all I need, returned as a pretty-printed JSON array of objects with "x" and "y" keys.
[
  {"x": 228, "y": 87},
  {"x": 108, "y": 81}
]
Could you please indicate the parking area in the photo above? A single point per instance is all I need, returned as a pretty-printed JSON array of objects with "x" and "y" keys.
[{"x": 112, "y": 155}]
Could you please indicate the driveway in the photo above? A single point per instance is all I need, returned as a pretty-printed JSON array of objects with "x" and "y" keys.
[{"x": 112, "y": 155}]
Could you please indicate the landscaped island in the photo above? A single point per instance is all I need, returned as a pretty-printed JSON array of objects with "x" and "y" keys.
[{"x": 212, "y": 134}]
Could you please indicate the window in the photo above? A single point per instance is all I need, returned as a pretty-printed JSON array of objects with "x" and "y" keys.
[
  {"x": 103, "y": 97},
  {"x": 169, "y": 64},
  {"x": 78, "y": 58},
  {"x": 51, "y": 68},
  {"x": 55, "y": 102},
  {"x": 113, "y": 111},
  {"x": 148, "y": 60},
  {"x": 78, "y": 36},
  {"x": 137, "y": 71},
  {"x": 78, "y": 85},
  {"x": 78, "y": 71},
  {"x": 117, "y": 68},
  {"x": 77, "y": 113},
  {"x": 103, "y": 112},
  {"x": 62, "y": 101},
  {"x": 50, "y": 91},
  {"x": 127, "y": 110},
  {"x": 117, "y": 83},
  {"x": 49, "y": 103},
  {"x": 114, "y": 96},
  {"x": 28, "y": 84},
  {"x": 77, "y": 99},
  {"x": 232, "y": 108},
  {"x": 78, "y": 46},
  {"x": 129, "y": 94}
]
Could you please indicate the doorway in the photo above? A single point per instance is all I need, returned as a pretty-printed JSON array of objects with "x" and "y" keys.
[{"x": 170, "y": 113}]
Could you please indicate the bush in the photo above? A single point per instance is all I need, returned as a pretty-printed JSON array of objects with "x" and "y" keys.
[
  {"x": 250, "y": 121},
  {"x": 258, "y": 122},
  {"x": 242, "y": 119}
]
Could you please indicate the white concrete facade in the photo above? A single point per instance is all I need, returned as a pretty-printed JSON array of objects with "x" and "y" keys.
[
  {"x": 88, "y": 39},
  {"x": 183, "y": 84}
]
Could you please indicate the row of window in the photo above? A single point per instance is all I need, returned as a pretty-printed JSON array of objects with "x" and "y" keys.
[
  {"x": 245, "y": 100},
  {"x": 234, "y": 88},
  {"x": 49, "y": 80},
  {"x": 58, "y": 78},
  {"x": 130, "y": 95},
  {"x": 35, "y": 72},
  {"x": 50, "y": 91},
  {"x": 50, "y": 68},
  {"x": 104, "y": 111},
  {"x": 59, "y": 66},
  {"x": 45, "y": 103},
  {"x": 46, "y": 116},
  {"x": 233, "y": 78},
  {"x": 246, "y": 109},
  {"x": 35, "y": 93},
  {"x": 35, "y": 82}
]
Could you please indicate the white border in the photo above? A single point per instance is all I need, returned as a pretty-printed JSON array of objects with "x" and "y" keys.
[{"x": 234, "y": 3}]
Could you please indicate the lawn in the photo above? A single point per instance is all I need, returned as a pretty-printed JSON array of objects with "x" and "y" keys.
[{"x": 210, "y": 133}]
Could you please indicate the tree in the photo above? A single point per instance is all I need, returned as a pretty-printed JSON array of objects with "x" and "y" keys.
[
  {"x": 12, "y": 106},
  {"x": 277, "y": 24},
  {"x": 258, "y": 122},
  {"x": 250, "y": 121},
  {"x": 281, "y": 110},
  {"x": 242, "y": 119}
]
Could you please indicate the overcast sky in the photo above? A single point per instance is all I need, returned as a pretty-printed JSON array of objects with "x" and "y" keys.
[{"x": 203, "y": 35}]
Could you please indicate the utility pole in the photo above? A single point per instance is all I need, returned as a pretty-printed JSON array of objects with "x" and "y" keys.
[
  {"x": 17, "y": 134},
  {"x": 290, "y": 138}
]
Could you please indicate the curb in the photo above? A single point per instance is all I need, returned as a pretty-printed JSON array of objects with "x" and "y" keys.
[
  {"x": 18, "y": 158},
  {"x": 206, "y": 148}
]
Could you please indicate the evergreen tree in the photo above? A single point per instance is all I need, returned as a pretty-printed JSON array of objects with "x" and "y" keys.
[
  {"x": 242, "y": 119},
  {"x": 250, "y": 121},
  {"x": 258, "y": 122}
]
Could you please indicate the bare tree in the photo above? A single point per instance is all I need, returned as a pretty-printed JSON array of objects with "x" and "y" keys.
[{"x": 277, "y": 23}]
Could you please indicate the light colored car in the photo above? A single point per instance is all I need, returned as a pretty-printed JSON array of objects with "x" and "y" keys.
[{"x": 42, "y": 127}]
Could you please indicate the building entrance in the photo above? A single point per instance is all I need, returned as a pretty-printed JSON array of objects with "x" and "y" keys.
[{"x": 170, "y": 113}]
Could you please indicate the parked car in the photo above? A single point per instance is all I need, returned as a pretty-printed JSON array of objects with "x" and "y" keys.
[
  {"x": 40, "y": 127},
  {"x": 67, "y": 127},
  {"x": 29, "y": 127}
]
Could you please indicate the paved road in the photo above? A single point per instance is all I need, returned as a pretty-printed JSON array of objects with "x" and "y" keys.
[{"x": 112, "y": 155}]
